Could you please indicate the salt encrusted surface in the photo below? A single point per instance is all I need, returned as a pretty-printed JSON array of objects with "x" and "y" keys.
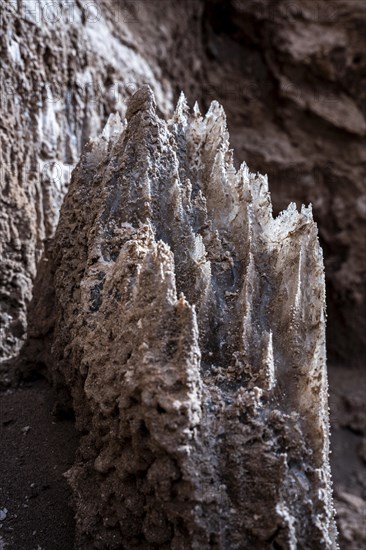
[
  {"x": 62, "y": 71},
  {"x": 189, "y": 331},
  {"x": 289, "y": 74}
]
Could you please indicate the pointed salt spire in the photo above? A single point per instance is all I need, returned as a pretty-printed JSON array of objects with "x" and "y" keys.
[
  {"x": 182, "y": 110},
  {"x": 269, "y": 363},
  {"x": 142, "y": 100},
  {"x": 196, "y": 109},
  {"x": 299, "y": 283},
  {"x": 307, "y": 211},
  {"x": 113, "y": 128},
  {"x": 216, "y": 108},
  {"x": 252, "y": 282}
]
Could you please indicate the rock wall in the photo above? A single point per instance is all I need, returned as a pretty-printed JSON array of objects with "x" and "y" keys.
[
  {"x": 291, "y": 77},
  {"x": 289, "y": 74},
  {"x": 190, "y": 333},
  {"x": 63, "y": 71}
]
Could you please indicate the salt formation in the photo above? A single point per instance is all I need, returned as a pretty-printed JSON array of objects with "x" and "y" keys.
[
  {"x": 61, "y": 70},
  {"x": 189, "y": 331}
]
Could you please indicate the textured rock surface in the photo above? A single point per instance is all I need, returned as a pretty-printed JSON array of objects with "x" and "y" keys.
[
  {"x": 351, "y": 513},
  {"x": 290, "y": 75},
  {"x": 62, "y": 72},
  {"x": 189, "y": 331}
]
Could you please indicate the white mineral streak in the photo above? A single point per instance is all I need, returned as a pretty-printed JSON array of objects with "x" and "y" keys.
[{"x": 190, "y": 333}]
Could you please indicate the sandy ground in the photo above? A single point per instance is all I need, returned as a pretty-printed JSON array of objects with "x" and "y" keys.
[
  {"x": 348, "y": 459},
  {"x": 36, "y": 449}
]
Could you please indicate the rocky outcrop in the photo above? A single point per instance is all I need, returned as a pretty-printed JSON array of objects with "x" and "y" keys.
[
  {"x": 189, "y": 332},
  {"x": 289, "y": 75}
]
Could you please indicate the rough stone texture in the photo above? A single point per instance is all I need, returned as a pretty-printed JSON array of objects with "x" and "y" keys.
[
  {"x": 290, "y": 75},
  {"x": 351, "y": 514},
  {"x": 190, "y": 333},
  {"x": 62, "y": 72}
]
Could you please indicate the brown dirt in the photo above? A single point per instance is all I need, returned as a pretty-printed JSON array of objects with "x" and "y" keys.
[{"x": 36, "y": 449}]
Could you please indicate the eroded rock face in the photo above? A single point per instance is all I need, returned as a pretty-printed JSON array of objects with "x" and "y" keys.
[
  {"x": 62, "y": 72},
  {"x": 290, "y": 75},
  {"x": 189, "y": 332}
]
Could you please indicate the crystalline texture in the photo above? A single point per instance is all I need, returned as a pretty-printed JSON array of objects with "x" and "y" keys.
[{"x": 190, "y": 333}]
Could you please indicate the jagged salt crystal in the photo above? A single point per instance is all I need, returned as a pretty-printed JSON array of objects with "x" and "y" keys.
[{"x": 113, "y": 127}]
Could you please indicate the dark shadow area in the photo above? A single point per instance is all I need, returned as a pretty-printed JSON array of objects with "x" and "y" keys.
[{"x": 37, "y": 448}]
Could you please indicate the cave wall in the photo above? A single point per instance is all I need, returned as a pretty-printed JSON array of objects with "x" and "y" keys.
[
  {"x": 291, "y": 79},
  {"x": 64, "y": 68}
]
